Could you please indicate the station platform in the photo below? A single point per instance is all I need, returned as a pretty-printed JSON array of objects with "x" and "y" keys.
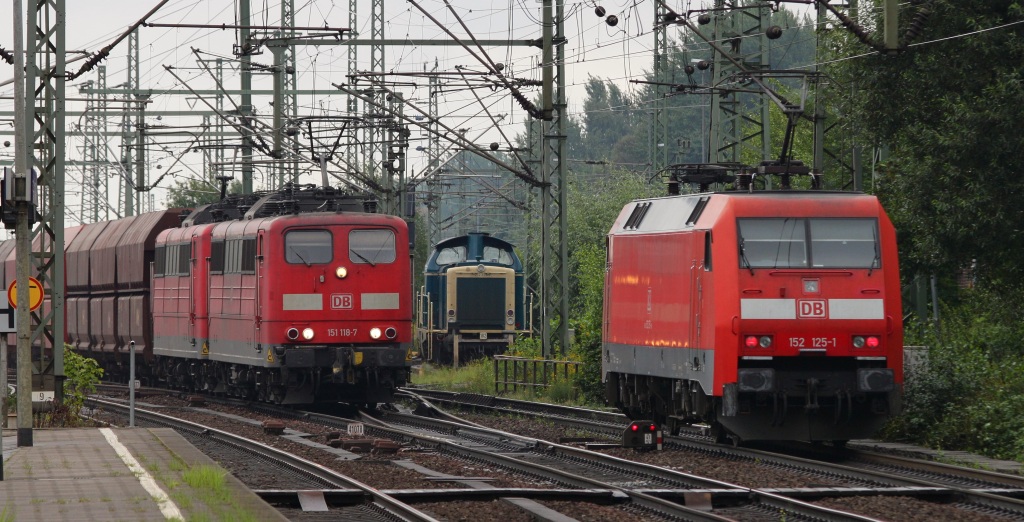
[{"x": 128, "y": 474}]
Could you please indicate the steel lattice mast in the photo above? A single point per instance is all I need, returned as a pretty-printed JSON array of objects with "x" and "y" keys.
[
  {"x": 741, "y": 34},
  {"x": 40, "y": 146},
  {"x": 554, "y": 297}
]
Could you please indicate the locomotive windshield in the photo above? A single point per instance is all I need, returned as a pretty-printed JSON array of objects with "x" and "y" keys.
[
  {"x": 497, "y": 255},
  {"x": 308, "y": 247},
  {"x": 808, "y": 243},
  {"x": 371, "y": 246},
  {"x": 451, "y": 255},
  {"x": 457, "y": 254}
]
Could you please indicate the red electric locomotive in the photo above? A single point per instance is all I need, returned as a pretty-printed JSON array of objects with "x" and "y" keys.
[
  {"x": 768, "y": 315},
  {"x": 284, "y": 307},
  {"x": 296, "y": 296}
]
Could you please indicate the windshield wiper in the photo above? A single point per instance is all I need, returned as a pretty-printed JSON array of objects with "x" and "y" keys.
[
  {"x": 360, "y": 256},
  {"x": 877, "y": 259},
  {"x": 300, "y": 256},
  {"x": 743, "y": 257}
]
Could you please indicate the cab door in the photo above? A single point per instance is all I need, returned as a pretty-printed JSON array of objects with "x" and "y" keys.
[
  {"x": 258, "y": 305},
  {"x": 194, "y": 282}
]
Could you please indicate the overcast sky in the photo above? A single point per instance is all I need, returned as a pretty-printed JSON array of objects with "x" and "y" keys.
[{"x": 594, "y": 48}]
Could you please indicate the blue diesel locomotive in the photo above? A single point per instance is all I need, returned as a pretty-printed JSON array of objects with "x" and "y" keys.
[{"x": 473, "y": 302}]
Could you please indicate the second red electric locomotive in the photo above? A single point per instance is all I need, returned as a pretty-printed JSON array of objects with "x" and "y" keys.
[{"x": 767, "y": 315}]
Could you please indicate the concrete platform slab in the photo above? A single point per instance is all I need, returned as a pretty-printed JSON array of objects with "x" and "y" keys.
[{"x": 138, "y": 474}]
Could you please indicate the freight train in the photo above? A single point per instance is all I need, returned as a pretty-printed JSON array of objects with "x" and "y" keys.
[
  {"x": 473, "y": 302},
  {"x": 294, "y": 296},
  {"x": 764, "y": 315}
]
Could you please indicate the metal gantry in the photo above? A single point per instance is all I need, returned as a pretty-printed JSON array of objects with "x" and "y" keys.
[
  {"x": 554, "y": 276},
  {"x": 741, "y": 33},
  {"x": 659, "y": 136}
]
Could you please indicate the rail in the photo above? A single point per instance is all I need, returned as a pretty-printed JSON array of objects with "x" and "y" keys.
[{"x": 530, "y": 374}]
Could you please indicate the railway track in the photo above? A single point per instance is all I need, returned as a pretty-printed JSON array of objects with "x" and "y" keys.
[
  {"x": 972, "y": 489},
  {"x": 582, "y": 476},
  {"x": 648, "y": 492},
  {"x": 299, "y": 477}
]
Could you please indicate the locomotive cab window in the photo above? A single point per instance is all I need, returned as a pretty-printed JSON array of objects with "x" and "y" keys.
[
  {"x": 451, "y": 255},
  {"x": 803, "y": 243},
  {"x": 308, "y": 247},
  {"x": 847, "y": 243},
  {"x": 497, "y": 255},
  {"x": 372, "y": 246}
]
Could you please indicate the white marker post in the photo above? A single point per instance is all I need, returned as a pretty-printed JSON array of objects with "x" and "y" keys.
[{"x": 131, "y": 384}]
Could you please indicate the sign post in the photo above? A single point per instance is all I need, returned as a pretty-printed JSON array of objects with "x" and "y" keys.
[{"x": 35, "y": 299}]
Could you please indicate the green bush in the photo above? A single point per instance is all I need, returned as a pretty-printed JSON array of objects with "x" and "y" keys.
[
  {"x": 970, "y": 395},
  {"x": 82, "y": 374}
]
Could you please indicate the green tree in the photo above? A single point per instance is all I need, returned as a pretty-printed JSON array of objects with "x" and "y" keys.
[
  {"x": 952, "y": 180},
  {"x": 594, "y": 204}
]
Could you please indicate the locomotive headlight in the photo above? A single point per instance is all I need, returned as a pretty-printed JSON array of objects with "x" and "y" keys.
[
  {"x": 765, "y": 341},
  {"x": 480, "y": 269},
  {"x": 375, "y": 333},
  {"x": 390, "y": 332},
  {"x": 307, "y": 334},
  {"x": 341, "y": 272},
  {"x": 858, "y": 342},
  {"x": 510, "y": 316},
  {"x": 292, "y": 333}
]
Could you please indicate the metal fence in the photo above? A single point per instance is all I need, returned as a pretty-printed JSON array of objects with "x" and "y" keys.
[{"x": 530, "y": 374}]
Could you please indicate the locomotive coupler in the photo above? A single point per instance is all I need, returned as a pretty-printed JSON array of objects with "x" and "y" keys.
[
  {"x": 843, "y": 395},
  {"x": 811, "y": 403}
]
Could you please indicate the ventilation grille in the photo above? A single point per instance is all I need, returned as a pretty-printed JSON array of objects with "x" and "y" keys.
[{"x": 639, "y": 211}]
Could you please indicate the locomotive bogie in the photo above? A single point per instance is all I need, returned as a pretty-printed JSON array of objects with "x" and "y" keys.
[{"x": 765, "y": 315}]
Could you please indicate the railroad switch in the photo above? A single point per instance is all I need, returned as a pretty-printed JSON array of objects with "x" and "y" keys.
[{"x": 642, "y": 435}]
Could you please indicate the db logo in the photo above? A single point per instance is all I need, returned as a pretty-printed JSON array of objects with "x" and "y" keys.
[
  {"x": 341, "y": 301},
  {"x": 811, "y": 309}
]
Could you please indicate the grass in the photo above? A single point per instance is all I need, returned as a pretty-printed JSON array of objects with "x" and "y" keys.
[
  {"x": 475, "y": 377},
  {"x": 478, "y": 377},
  {"x": 211, "y": 487}
]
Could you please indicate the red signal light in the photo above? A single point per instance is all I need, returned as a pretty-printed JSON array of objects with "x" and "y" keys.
[
  {"x": 635, "y": 427},
  {"x": 872, "y": 342},
  {"x": 654, "y": 428},
  {"x": 751, "y": 341}
]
